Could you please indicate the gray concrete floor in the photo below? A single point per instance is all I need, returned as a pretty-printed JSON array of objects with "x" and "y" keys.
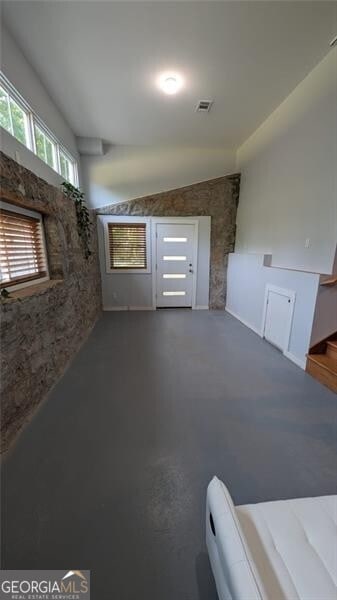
[{"x": 111, "y": 474}]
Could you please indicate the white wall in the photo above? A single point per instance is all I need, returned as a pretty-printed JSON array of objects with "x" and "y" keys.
[
  {"x": 288, "y": 195},
  {"x": 247, "y": 278},
  {"x": 10, "y": 146},
  {"x": 135, "y": 289},
  {"x": 325, "y": 320},
  {"x": 20, "y": 73},
  {"x": 289, "y": 177},
  {"x": 127, "y": 172}
]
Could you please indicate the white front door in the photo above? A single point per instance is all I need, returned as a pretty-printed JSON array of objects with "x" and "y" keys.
[{"x": 174, "y": 263}]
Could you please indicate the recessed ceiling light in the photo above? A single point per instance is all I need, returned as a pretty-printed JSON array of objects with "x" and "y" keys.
[{"x": 170, "y": 83}]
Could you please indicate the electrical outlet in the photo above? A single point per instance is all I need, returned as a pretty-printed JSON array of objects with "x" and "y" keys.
[{"x": 307, "y": 243}]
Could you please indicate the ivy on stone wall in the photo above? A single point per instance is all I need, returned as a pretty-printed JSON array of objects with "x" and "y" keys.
[{"x": 82, "y": 215}]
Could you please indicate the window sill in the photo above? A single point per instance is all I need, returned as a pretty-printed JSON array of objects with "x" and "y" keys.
[{"x": 32, "y": 290}]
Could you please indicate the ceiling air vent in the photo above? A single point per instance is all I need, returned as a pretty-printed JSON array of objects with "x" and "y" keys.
[{"x": 204, "y": 106}]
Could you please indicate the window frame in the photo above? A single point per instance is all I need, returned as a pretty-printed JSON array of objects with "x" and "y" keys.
[
  {"x": 49, "y": 136},
  {"x": 32, "y": 120},
  {"x": 13, "y": 96},
  {"x": 106, "y": 219},
  {"x": 26, "y": 121},
  {"x": 35, "y": 215},
  {"x": 67, "y": 156}
]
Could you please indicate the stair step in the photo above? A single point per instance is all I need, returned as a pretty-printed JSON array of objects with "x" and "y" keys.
[
  {"x": 323, "y": 368},
  {"x": 325, "y": 361},
  {"x": 331, "y": 349}
]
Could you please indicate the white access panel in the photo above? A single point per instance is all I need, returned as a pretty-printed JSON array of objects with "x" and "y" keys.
[
  {"x": 278, "y": 316},
  {"x": 174, "y": 264}
]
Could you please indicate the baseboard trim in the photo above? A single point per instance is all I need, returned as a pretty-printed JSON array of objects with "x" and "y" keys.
[
  {"x": 233, "y": 314},
  {"x": 297, "y": 361},
  {"x": 118, "y": 308},
  {"x": 289, "y": 355},
  {"x": 201, "y": 307}
]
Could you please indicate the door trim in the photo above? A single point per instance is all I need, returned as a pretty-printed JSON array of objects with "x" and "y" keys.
[
  {"x": 174, "y": 221},
  {"x": 283, "y": 292}
]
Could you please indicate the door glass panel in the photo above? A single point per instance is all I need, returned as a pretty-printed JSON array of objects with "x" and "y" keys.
[
  {"x": 174, "y": 257},
  {"x": 174, "y": 276},
  {"x": 174, "y": 293},
  {"x": 175, "y": 239}
]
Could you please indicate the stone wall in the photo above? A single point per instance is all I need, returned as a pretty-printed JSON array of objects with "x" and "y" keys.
[
  {"x": 217, "y": 198},
  {"x": 43, "y": 325}
]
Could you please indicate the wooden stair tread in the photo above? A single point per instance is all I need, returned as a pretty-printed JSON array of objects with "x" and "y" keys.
[
  {"x": 331, "y": 281},
  {"x": 324, "y": 361}
]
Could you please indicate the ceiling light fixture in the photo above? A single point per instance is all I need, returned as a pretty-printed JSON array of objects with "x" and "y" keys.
[{"x": 170, "y": 83}]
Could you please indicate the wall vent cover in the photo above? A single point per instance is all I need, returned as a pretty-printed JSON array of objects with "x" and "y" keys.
[{"x": 204, "y": 106}]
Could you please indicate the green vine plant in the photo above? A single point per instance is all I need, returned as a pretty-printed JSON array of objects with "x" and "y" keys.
[{"x": 82, "y": 215}]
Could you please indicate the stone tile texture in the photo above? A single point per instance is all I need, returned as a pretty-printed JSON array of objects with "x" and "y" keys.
[
  {"x": 43, "y": 326},
  {"x": 217, "y": 198}
]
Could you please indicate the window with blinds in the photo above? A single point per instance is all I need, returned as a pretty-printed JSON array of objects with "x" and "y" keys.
[
  {"x": 22, "y": 253},
  {"x": 127, "y": 245}
]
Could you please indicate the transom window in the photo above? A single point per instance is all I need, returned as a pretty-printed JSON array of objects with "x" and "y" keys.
[
  {"x": 67, "y": 167},
  {"x": 22, "y": 249},
  {"x": 19, "y": 120},
  {"x": 45, "y": 148},
  {"x": 13, "y": 118}
]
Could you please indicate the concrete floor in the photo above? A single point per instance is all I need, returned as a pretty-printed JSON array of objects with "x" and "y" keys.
[{"x": 111, "y": 474}]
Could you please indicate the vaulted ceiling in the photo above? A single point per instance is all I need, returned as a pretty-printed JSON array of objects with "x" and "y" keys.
[{"x": 100, "y": 62}]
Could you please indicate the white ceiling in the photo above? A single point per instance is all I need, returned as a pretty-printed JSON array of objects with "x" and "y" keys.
[{"x": 99, "y": 62}]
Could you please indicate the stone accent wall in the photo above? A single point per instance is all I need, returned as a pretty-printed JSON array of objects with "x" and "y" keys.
[
  {"x": 44, "y": 325},
  {"x": 217, "y": 198}
]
